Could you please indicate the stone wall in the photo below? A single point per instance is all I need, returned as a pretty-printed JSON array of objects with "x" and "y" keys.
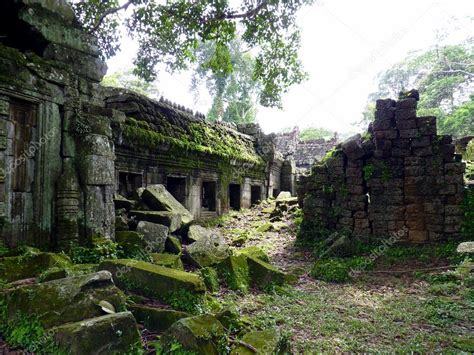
[
  {"x": 56, "y": 153},
  {"x": 161, "y": 142},
  {"x": 304, "y": 153},
  {"x": 401, "y": 179}
]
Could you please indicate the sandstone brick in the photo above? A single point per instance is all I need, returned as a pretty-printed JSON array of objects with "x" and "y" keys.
[
  {"x": 421, "y": 142},
  {"x": 406, "y": 123},
  {"x": 417, "y": 236},
  {"x": 401, "y": 152},
  {"x": 409, "y": 133},
  {"x": 423, "y": 152},
  {"x": 405, "y": 113},
  {"x": 360, "y": 214},
  {"x": 408, "y": 103}
]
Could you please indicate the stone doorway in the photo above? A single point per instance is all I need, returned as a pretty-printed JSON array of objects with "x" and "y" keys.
[
  {"x": 129, "y": 183},
  {"x": 234, "y": 197},
  {"x": 176, "y": 186},
  {"x": 208, "y": 196},
  {"x": 25, "y": 147},
  {"x": 255, "y": 194}
]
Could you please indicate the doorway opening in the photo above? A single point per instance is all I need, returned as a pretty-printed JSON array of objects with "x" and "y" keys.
[
  {"x": 234, "y": 197},
  {"x": 275, "y": 193},
  {"x": 208, "y": 196},
  {"x": 255, "y": 194},
  {"x": 129, "y": 183},
  {"x": 176, "y": 186}
]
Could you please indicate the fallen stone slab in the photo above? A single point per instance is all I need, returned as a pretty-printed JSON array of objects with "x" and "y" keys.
[
  {"x": 155, "y": 235},
  {"x": 207, "y": 251},
  {"x": 466, "y": 247},
  {"x": 14, "y": 268},
  {"x": 169, "y": 219},
  {"x": 157, "y": 319},
  {"x": 112, "y": 333},
  {"x": 130, "y": 242},
  {"x": 234, "y": 272},
  {"x": 179, "y": 289},
  {"x": 196, "y": 232},
  {"x": 159, "y": 199},
  {"x": 65, "y": 300},
  {"x": 264, "y": 341},
  {"x": 167, "y": 260},
  {"x": 201, "y": 334},
  {"x": 56, "y": 273},
  {"x": 284, "y": 195},
  {"x": 256, "y": 252},
  {"x": 264, "y": 275}
]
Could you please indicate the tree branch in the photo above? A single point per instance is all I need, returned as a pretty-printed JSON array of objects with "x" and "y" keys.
[
  {"x": 108, "y": 13},
  {"x": 249, "y": 13}
]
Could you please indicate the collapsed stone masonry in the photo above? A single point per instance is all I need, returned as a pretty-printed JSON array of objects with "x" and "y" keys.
[{"x": 401, "y": 179}]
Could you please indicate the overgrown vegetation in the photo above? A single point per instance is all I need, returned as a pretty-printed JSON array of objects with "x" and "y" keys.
[{"x": 98, "y": 250}]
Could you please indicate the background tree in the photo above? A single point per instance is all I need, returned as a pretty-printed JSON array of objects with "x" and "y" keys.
[
  {"x": 235, "y": 95},
  {"x": 170, "y": 32},
  {"x": 126, "y": 79},
  {"x": 444, "y": 77}
]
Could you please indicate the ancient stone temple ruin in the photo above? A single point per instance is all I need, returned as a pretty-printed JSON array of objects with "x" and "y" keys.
[
  {"x": 400, "y": 179},
  {"x": 67, "y": 145},
  {"x": 304, "y": 153}
]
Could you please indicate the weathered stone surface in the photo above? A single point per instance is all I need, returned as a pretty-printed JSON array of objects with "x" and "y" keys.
[
  {"x": 157, "y": 319},
  {"x": 197, "y": 232},
  {"x": 167, "y": 260},
  {"x": 25, "y": 266},
  {"x": 209, "y": 250},
  {"x": 352, "y": 147},
  {"x": 130, "y": 242},
  {"x": 263, "y": 275},
  {"x": 234, "y": 271},
  {"x": 466, "y": 247},
  {"x": 158, "y": 198},
  {"x": 51, "y": 302},
  {"x": 169, "y": 219},
  {"x": 201, "y": 334},
  {"x": 284, "y": 195},
  {"x": 112, "y": 333},
  {"x": 210, "y": 278},
  {"x": 264, "y": 341},
  {"x": 180, "y": 289},
  {"x": 256, "y": 252},
  {"x": 155, "y": 235},
  {"x": 173, "y": 245}
]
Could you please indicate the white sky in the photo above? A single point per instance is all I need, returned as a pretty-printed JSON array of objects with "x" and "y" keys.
[{"x": 345, "y": 44}]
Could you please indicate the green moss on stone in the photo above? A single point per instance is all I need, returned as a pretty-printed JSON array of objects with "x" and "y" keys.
[
  {"x": 234, "y": 272},
  {"x": 211, "y": 279},
  {"x": 156, "y": 319},
  {"x": 167, "y": 260}
]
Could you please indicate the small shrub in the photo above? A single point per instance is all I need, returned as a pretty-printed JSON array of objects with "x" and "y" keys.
[
  {"x": 99, "y": 250},
  {"x": 468, "y": 206},
  {"x": 339, "y": 269}
]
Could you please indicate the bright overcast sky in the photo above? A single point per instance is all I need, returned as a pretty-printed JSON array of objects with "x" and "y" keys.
[{"x": 345, "y": 44}]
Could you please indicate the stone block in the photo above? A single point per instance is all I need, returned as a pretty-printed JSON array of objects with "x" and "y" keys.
[
  {"x": 164, "y": 284},
  {"x": 202, "y": 334},
  {"x": 114, "y": 332},
  {"x": 382, "y": 122},
  {"x": 406, "y": 123},
  {"x": 423, "y": 152},
  {"x": 156, "y": 319},
  {"x": 64, "y": 300},
  {"x": 4, "y": 106},
  {"x": 421, "y": 142},
  {"x": 409, "y": 133},
  {"x": 447, "y": 190},
  {"x": 405, "y": 114},
  {"x": 401, "y": 152},
  {"x": 418, "y": 236},
  {"x": 408, "y": 103},
  {"x": 98, "y": 170}
]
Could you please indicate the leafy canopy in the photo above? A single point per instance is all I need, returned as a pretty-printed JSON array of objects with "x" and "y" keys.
[
  {"x": 235, "y": 95},
  {"x": 170, "y": 32},
  {"x": 444, "y": 76}
]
